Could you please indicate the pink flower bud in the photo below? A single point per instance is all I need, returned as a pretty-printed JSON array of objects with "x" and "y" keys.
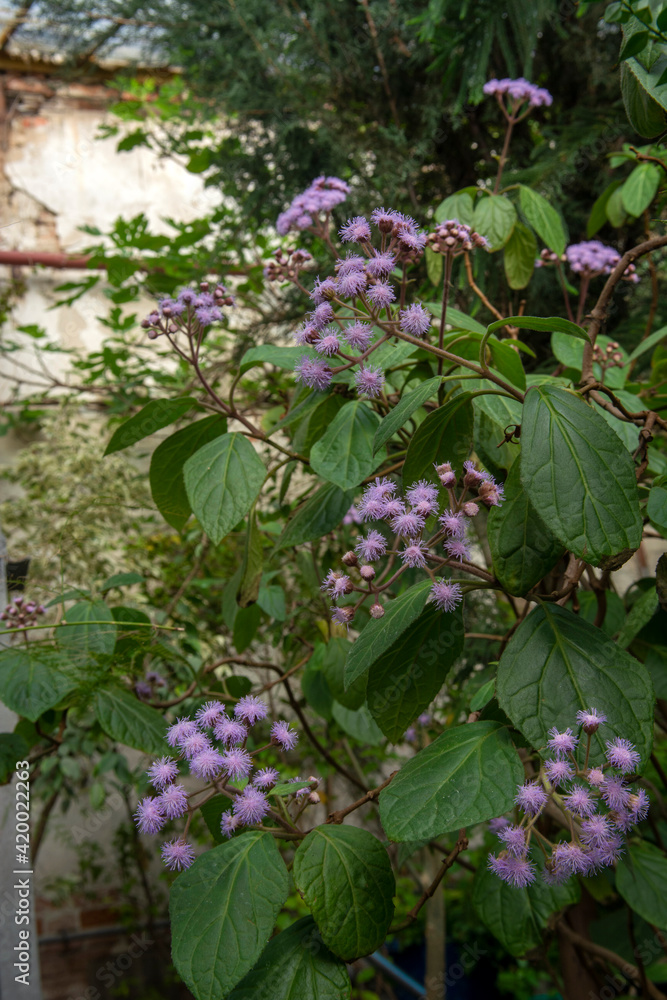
[
  {"x": 350, "y": 558},
  {"x": 470, "y": 509},
  {"x": 377, "y": 611},
  {"x": 367, "y": 573}
]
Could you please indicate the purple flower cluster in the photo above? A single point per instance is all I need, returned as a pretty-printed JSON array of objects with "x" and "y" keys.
[
  {"x": 592, "y": 258},
  {"x": 406, "y": 519},
  {"x": 21, "y": 614},
  {"x": 454, "y": 237},
  {"x": 319, "y": 198},
  {"x": 146, "y": 688},
  {"x": 597, "y": 804},
  {"x": 190, "y": 311},
  {"x": 213, "y": 747},
  {"x": 519, "y": 91}
]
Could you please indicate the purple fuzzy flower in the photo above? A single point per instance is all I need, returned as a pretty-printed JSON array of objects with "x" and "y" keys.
[
  {"x": 596, "y": 831},
  {"x": 207, "y": 315},
  {"x": 174, "y": 801},
  {"x": 149, "y": 817},
  {"x": 445, "y": 595},
  {"x": 322, "y": 315},
  {"x": 580, "y": 802},
  {"x": 358, "y": 335},
  {"x": 250, "y": 709},
  {"x": 590, "y": 721},
  {"x": 531, "y": 798},
  {"x": 385, "y": 219},
  {"x": 265, "y": 778},
  {"x": 372, "y": 508},
  {"x": 514, "y": 839},
  {"x": 615, "y": 793},
  {"x": 228, "y": 824},
  {"x": 348, "y": 286},
  {"x": 622, "y": 754},
  {"x": 393, "y": 507},
  {"x": 237, "y": 763},
  {"x": 342, "y": 616},
  {"x": 323, "y": 290},
  {"x": 414, "y": 554},
  {"x": 369, "y": 381},
  {"x": 285, "y": 737},
  {"x": 194, "y": 744},
  {"x": 454, "y": 523},
  {"x": 356, "y": 230},
  {"x": 381, "y": 294},
  {"x": 187, "y": 296},
  {"x": 208, "y": 713},
  {"x": 457, "y": 548},
  {"x": 372, "y": 547},
  {"x": 596, "y": 777},
  {"x": 415, "y": 320},
  {"x": 180, "y": 729},
  {"x": 638, "y": 805},
  {"x": 328, "y": 344},
  {"x": 558, "y": 771},
  {"x": 498, "y": 824},
  {"x": 336, "y": 584},
  {"x": 422, "y": 492},
  {"x": 381, "y": 265},
  {"x": 562, "y": 743},
  {"x": 251, "y": 806},
  {"x": 207, "y": 764},
  {"x": 518, "y": 872},
  {"x": 353, "y": 263},
  {"x": 313, "y": 372},
  {"x": 162, "y": 772},
  {"x": 177, "y": 854},
  {"x": 569, "y": 859},
  {"x": 408, "y": 524},
  {"x": 230, "y": 731}
]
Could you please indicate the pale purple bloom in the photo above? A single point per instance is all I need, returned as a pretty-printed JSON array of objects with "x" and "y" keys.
[
  {"x": 414, "y": 554},
  {"x": 352, "y": 516},
  {"x": 514, "y": 839},
  {"x": 306, "y": 335},
  {"x": 385, "y": 218},
  {"x": 393, "y": 507},
  {"x": 353, "y": 263},
  {"x": 342, "y": 616},
  {"x": 639, "y": 805},
  {"x": 336, "y": 584},
  {"x": 609, "y": 852},
  {"x": 250, "y": 709},
  {"x": 457, "y": 548},
  {"x": 207, "y": 315},
  {"x": 356, "y": 230},
  {"x": 580, "y": 802},
  {"x": 622, "y": 754},
  {"x": 358, "y": 335},
  {"x": 408, "y": 524},
  {"x": 207, "y": 764},
  {"x": 422, "y": 492},
  {"x": 177, "y": 854},
  {"x": 558, "y": 771},
  {"x": 228, "y": 823},
  {"x": 313, "y": 372},
  {"x": 531, "y": 797},
  {"x": 372, "y": 547},
  {"x": 415, "y": 320},
  {"x": 237, "y": 763},
  {"x": 174, "y": 801},
  {"x": 410, "y": 735},
  {"x": 590, "y": 720},
  {"x": 472, "y": 476},
  {"x": 569, "y": 859},
  {"x": 322, "y": 315},
  {"x": 411, "y": 239},
  {"x": 498, "y": 824},
  {"x": 623, "y": 819},
  {"x": 519, "y": 90},
  {"x": 382, "y": 487},
  {"x": 162, "y": 772},
  {"x": 615, "y": 793},
  {"x": 518, "y": 872},
  {"x": 381, "y": 265},
  {"x": 208, "y": 713},
  {"x": 328, "y": 344},
  {"x": 194, "y": 744},
  {"x": 187, "y": 296},
  {"x": 445, "y": 595},
  {"x": 596, "y": 777},
  {"x": 180, "y": 729},
  {"x": 381, "y": 294},
  {"x": 424, "y": 719},
  {"x": 149, "y": 816},
  {"x": 595, "y": 831},
  {"x": 592, "y": 257},
  {"x": 369, "y": 381},
  {"x": 285, "y": 737},
  {"x": 323, "y": 290},
  {"x": 372, "y": 508},
  {"x": 350, "y": 285},
  {"x": 322, "y": 195},
  {"x": 266, "y": 777},
  {"x": 230, "y": 731},
  {"x": 454, "y": 523},
  {"x": 251, "y": 806},
  {"x": 562, "y": 743}
]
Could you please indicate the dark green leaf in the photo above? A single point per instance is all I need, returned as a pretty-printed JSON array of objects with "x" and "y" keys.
[
  {"x": 646, "y": 345},
  {"x": 494, "y": 217},
  {"x": 519, "y": 257},
  {"x": 545, "y": 324},
  {"x": 656, "y": 509},
  {"x": 212, "y": 810},
  {"x": 359, "y": 725},
  {"x": 467, "y": 775},
  {"x": 579, "y": 481},
  {"x": 556, "y": 664},
  {"x": 33, "y": 680},
  {"x": 403, "y": 410},
  {"x": 456, "y": 206},
  {"x": 281, "y": 357},
  {"x": 90, "y": 628},
  {"x": 640, "y": 188},
  {"x": 12, "y": 749},
  {"x": 253, "y": 563},
  {"x": 223, "y": 480},
  {"x": 507, "y": 361},
  {"x": 333, "y": 668},
  {"x": 223, "y": 910},
  {"x": 295, "y": 965},
  {"x": 271, "y": 600},
  {"x": 246, "y": 623},
  {"x": 320, "y": 514},
  {"x": 444, "y": 436},
  {"x": 634, "y": 45},
  {"x": 152, "y": 417},
  {"x": 124, "y": 718},
  {"x": 166, "y": 470},
  {"x": 640, "y": 614},
  {"x": 544, "y": 219},
  {"x": 344, "y": 455},
  {"x": 345, "y": 877},
  {"x": 598, "y": 216},
  {"x": 434, "y": 266},
  {"x": 641, "y": 879},
  {"x": 639, "y": 89}
]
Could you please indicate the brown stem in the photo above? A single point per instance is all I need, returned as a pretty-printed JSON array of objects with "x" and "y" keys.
[
  {"x": 461, "y": 845},
  {"x": 503, "y": 155},
  {"x": 370, "y": 796},
  {"x": 627, "y": 969}
]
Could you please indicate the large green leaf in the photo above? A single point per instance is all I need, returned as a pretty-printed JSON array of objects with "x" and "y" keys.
[
  {"x": 295, "y": 965},
  {"x": 344, "y": 455},
  {"x": 494, "y": 217},
  {"x": 522, "y": 546},
  {"x": 571, "y": 353},
  {"x": 544, "y": 324},
  {"x": 656, "y": 508},
  {"x": 644, "y": 101},
  {"x": 402, "y": 412},
  {"x": 544, "y": 219},
  {"x": 639, "y": 615},
  {"x": 166, "y": 469},
  {"x": 517, "y": 917},
  {"x": 457, "y": 206},
  {"x": 223, "y": 910},
  {"x": 358, "y": 724},
  {"x": 34, "y": 679},
  {"x": 641, "y": 879},
  {"x": 124, "y": 718},
  {"x": 320, "y": 514},
  {"x": 380, "y": 633},
  {"x": 223, "y": 480},
  {"x": 444, "y": 436},
  {"x": 270, "y": 354},
  {"x": 556, "y": 664},
  {"x": 345, "y": 877},
  {"x": 519, "y": 257},
  {"x": 333, "y": 669},
  {"x": 467, "y": 775},
  {"x": 598, "y": 216},
  {"x": 640, "y": 188},
  {"x": 646, "y": 345},
  {"x": 89, "y": 628},
  {"x": 403, "y": 682},
  {"x": 576, "y": 476},
  {"x": 152, "y": 417}
]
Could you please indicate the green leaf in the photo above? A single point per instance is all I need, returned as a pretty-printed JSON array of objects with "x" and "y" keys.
[
  {"x": 506, "y": 360},
  {"x": 434, "y": 266},
  {"x": 598, "y": 216},
  {"x": 455, "y": 318},
  {"x": 403, "y": 682},
  {"x": 33, "y": 680},
  {"x": 246, "y": 623},
  {"x": 545, "y": 324},
  {"x": 570, "y": 352},
  {"x": 223, "y": 910},
  {"x": 222, "y": 481},
  {"x": 344, "y": 455},
  {"x": 124, "y": 718},
  {"x": 333, "y": 669},
  {"x": 641, "y": 879},
  {"x": 467, "y": 775},
  {"x": 579, "y": 481},
  {"x": 517, "y": 917},
  {"x": 544, "y": 219},
  {"x": 615, "y": 209},
  {"x": 83, "y": 634},
  {"x": 271, "y": 600},
  {"x": 456, "y": 206},
  {"x": 359, "y": 725},
  {"x": 295, "y": 965},
  {"x": 345, "y": 877},
  {"x": 634, "y": 45},
  {"x": 640, "y": 92},
  {"x": 152, "y": 417},
  {"x": 640, "y": 614},
  {"x": 646, "y": 345},
  {"x": 519, "y": 257},
  {"x": 640, "y": 188},
  {"x": 523, "y": 548},
  {"x": 556, "y": 664},
  {"x": 320, "y": 514},
  {"x": 281, "y": 357},
  {"x": 494, "y": 217},
  {"x": 121, "y": 580},
  {"x": 656, "y": 509},
  {"x": 444, "y": 436},
  {"x": 253, "y": 563},
  {"x": 12, "y": 748},
  {"x": 379, "y": 634},
  {"x": 212, "y": 810},
  {"x": 166, "y": 469},
  {"x": 403, "y": 410}
]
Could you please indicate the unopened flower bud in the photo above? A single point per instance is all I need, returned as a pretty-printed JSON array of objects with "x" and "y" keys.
[
  {"x": 367, "y": 573},
  {"x": 152, "y": 334},
  {"x": 377, "y": 611},
  {"x": 203, "y": 285},
  {"x": 167, "y": 311},
  {"x": 145, "y": 323},
  {"x": 470, "y": 509},
  {"x": 350, "y": 558},
  {"x": 313, "y": 798}
]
